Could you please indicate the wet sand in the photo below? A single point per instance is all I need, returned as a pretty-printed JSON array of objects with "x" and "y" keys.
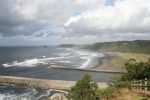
[{"x": 106, "y": 63}]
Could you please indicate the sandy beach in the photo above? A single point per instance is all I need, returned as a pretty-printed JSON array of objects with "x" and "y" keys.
[{"x": 107, "y": 63}]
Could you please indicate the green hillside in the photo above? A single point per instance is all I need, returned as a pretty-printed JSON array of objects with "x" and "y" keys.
[{"x": 137, "y": 46}]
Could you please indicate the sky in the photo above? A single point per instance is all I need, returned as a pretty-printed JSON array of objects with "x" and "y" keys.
[{"x": 53, "y": 22}]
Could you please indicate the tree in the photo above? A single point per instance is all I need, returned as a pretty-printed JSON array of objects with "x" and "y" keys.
[
  {"x": 85, "y": 89},
  {"x": 137, "y": 70}
]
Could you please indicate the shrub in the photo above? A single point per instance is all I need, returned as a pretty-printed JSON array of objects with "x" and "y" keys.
[
  {"x": 85, "y": 89},
  {"x": 136, "y": 70},
  {"x": 117, "y": 82},
  {"x": 106, "y": 94}
]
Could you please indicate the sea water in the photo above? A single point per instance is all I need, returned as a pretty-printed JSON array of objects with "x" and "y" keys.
[{"x": 38, "y": 62}]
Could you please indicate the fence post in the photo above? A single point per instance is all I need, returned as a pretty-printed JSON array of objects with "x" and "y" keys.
[
  {"x": 141, "y": 86},
  {"x": 133, "y": 85},
  {"x": 145, "y": 84}
]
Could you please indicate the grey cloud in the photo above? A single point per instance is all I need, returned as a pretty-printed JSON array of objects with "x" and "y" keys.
[
  {"x": 41, "y": 21},
  {"x": 35, "y": 15}
]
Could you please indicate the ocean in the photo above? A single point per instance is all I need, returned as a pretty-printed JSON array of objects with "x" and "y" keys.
[
  {"x": 23, "y": 57},
  {"x": 38, "y": 62}
]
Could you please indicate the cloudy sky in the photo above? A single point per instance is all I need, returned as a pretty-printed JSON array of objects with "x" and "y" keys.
[{"x": 51, "y": 22}]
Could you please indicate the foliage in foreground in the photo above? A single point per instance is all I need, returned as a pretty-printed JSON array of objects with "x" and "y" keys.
[{"x": 85, "y": 89}]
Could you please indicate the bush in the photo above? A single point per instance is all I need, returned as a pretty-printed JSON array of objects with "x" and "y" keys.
[
  {"x": 85, "y": 89},
  {"x": 136, "y": 70},
  {"x": 106, "y": 94},
  {"x": 117, "y": 82}
]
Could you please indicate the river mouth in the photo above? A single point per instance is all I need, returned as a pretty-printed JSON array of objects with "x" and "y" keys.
[
  {"x": 12, "y": 92},
  {"x": 58, "y": 74}
]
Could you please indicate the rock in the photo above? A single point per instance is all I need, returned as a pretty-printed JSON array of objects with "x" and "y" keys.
[{"x": 58, "y": 96}]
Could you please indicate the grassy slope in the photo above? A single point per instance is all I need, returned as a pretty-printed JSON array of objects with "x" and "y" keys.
[
  {"x": 138, "y": 46},
  {"x": 123, "y": 57}
]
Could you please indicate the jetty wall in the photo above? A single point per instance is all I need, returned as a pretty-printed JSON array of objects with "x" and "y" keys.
[
  {"x": 40, "y": 83},
  {"x": 90, "y": 70}
]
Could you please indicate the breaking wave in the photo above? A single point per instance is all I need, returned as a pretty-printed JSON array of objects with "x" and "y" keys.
[
  {"x": 32, "y": 62},
  {"x": 30, "y": 95},
  {"x": 91, "y": 59},
  {"x": 71, "y": 58}
]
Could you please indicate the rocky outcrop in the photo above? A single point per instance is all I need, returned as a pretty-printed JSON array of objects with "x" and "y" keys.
[{"x": 58, "y": 96}]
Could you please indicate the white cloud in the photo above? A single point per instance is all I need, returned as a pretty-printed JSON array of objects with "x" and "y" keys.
[{"x": 126, "y": 16}]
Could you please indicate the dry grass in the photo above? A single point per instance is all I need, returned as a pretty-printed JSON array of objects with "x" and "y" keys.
[
  {"x": 126, "y": 94},
  {"x": 123, "y": 57}
]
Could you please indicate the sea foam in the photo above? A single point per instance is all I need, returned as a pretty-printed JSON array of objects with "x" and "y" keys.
[
  {"x": 82, "y": 58},
  {"x": 32, "y": 62},
  {"x": 88, "y": 58}
]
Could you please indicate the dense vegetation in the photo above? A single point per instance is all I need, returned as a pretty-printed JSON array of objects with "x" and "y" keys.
[
  {"x": 137, "y": 70},
  {"x": 137, "y": 46},
  {"x": 87, "y": 89}
]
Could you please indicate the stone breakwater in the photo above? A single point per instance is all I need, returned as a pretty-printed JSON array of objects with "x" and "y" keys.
[
  {"x": 90, "y": 70},
  {"x": 40, "y": 83}
]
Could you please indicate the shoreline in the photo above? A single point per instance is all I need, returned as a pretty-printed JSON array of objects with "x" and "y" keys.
[{"x": 106, "y": 63}]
